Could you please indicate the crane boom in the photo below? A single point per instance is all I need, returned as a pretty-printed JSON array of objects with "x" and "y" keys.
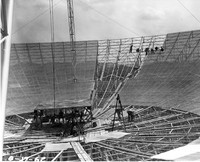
[{"x": 72, "y": 35}]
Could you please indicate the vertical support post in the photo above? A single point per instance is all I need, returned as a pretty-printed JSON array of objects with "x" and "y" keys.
[
  {"x": 121, "y": 112},
  {"x": 139, "y": 58},
  {"x": 106, "y": 59},
  {"x": 117, "y": 66},
  {"x": 151, "y": 41},
  {"x": 42, "y": 59},
  {"x": 96, "y": 77},
  {"x": 118, "y": 111},
  {"x": 28, "y": 52},
  {"x": 140, "y": 50},
  {"x": 114, "y": 117},
  {"x": 91, "y": 150},
  {"x": 63, "y": 48},
  {"x": 141, "y": 43},
  {"x": 154, "y": 40},
  {"x": 7, "y": 13}
]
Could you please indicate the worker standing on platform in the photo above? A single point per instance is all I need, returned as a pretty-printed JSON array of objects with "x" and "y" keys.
[
  {"x": 152, "y": 51},
  {"x": 130, "y": 115},
  {"x": 61, "y": 116},
  {"x": 146, "y": 51},
  {"x": 131, "y": 49},
  {"x": 137, "y": 50}
]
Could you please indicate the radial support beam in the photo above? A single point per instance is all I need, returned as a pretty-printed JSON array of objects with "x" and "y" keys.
[
  {"x": 34, "y": 155},
  {"x": 125, "y": 150},
  {"x": 83, "y": 156},
  {"x": 16, "y": 148},
  {"x": 106, "y": 60},
  {"x": 55, "y": 158}
]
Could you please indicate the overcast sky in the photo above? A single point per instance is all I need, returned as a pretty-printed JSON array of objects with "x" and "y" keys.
[{"x": 103, "y": 19}]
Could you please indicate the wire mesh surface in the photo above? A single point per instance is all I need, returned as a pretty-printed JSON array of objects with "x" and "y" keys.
[
  {"x": 154, "y": 130},
  {"x": 31, "y": 75},
  {"x": 169, "y": 79},
  {"x": 104, "y": 68},
  {"x": 161, "y": 86}
]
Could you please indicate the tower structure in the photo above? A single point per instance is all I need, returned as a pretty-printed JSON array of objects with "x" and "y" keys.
[{"x": 72, "y": 35}]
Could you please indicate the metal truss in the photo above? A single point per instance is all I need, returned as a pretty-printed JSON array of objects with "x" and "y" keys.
[
  {"x": 102, "y": 68},
  {"x": 163, "y": 130}
]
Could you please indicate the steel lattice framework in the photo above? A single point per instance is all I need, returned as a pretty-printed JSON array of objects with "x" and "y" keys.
[
  {"x": 157, "y": 77},
  {"x": 154, "y": 130},
  {"x": 162, "y": 86},
  {"x": 72, "y": 33}
]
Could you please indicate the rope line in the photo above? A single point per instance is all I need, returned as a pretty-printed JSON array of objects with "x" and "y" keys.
[
  {"x": 51, "y": 8},
  {"x": 189, "y": 12}
]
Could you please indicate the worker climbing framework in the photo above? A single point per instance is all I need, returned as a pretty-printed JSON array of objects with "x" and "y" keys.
[{"x": 119, "y": 60}]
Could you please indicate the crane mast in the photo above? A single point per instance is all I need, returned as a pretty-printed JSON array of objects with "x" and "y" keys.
[{"x": 72, "y": 36}]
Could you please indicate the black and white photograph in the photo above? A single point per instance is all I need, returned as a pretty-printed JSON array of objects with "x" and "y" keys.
[{"x": 100, "y": 80}]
